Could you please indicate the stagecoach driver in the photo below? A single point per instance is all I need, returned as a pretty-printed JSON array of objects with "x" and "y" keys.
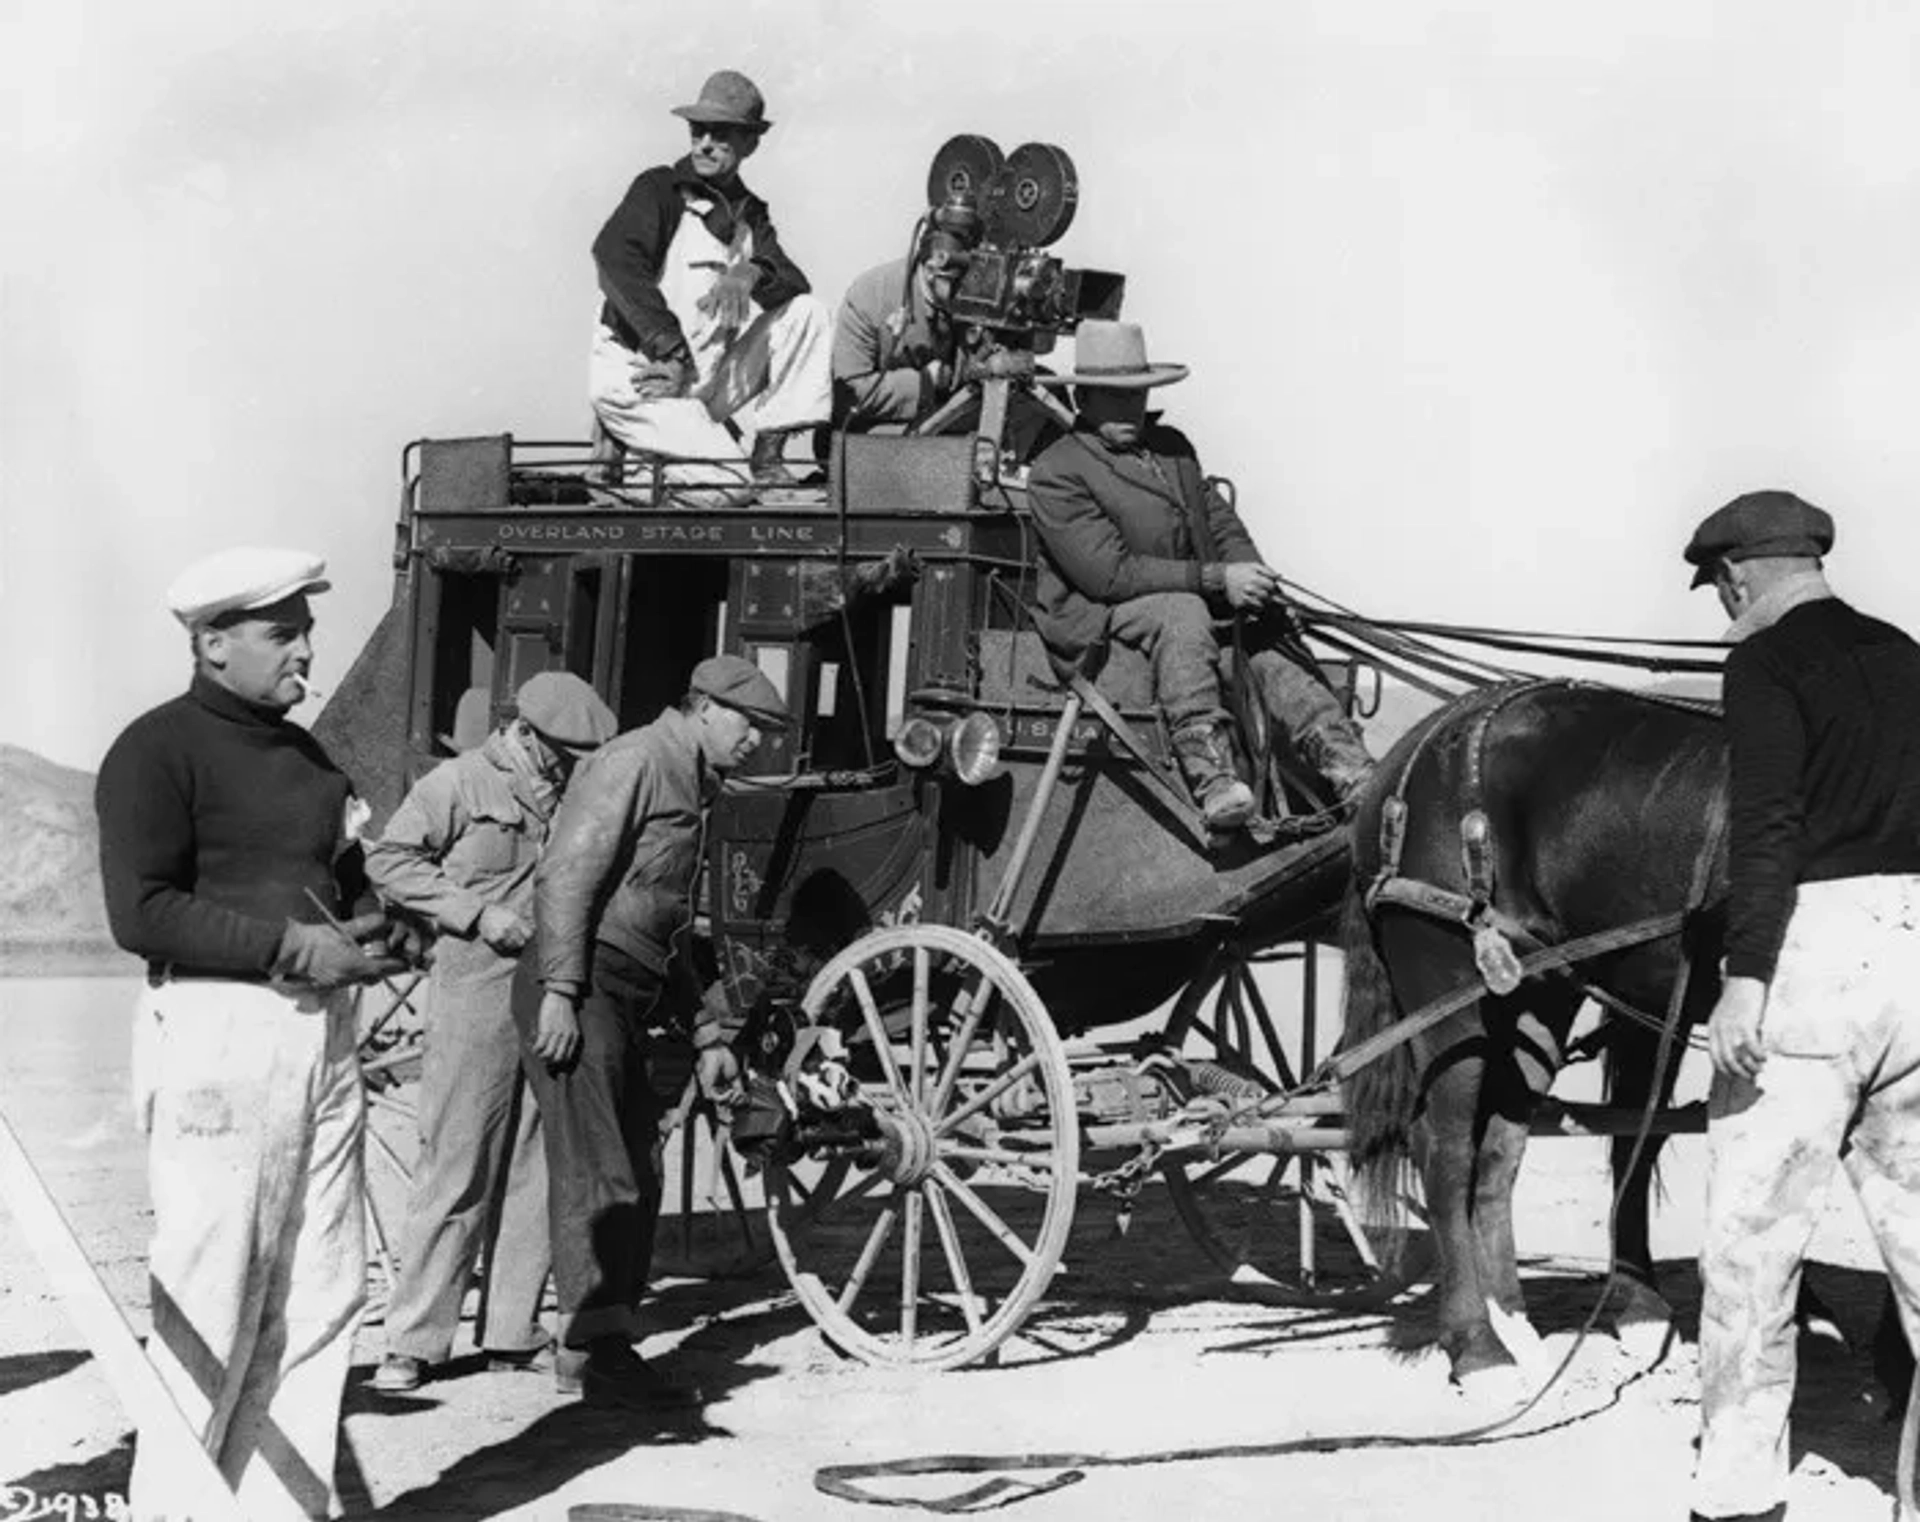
[
  {"x": 706, "y": 319},
  {"x": 227, "y": 837},
  {"x": 615, "y": 997},
  {"x": 459, "y": 854},
  {"x": 1816, "y": 1037},
  {"x": 1141, "y": 551}
]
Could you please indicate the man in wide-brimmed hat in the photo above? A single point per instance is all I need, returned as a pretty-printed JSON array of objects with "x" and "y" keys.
[
  {"x": 706, "y": 320},
  {"x": 1815, "y": 1039},
  {"x": 1141, "y": 551}
]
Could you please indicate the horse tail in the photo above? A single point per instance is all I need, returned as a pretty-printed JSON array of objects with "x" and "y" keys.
[{"x": 1381, "y": 1097}]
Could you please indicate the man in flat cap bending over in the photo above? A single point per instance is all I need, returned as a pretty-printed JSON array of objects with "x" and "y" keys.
[
  {"x": 614, "y": 904},
  {"x": 1816, "y": 1038},
  {"x": 459, "y": 854},
  {"x": 706, "y": 319},
  {"x": 1141, "y": 551},
  {"x": 226, "y": 839}
]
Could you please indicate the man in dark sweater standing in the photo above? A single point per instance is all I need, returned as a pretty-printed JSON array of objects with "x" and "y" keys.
[
  {"x": 1816, "y": 1038},
  {"x": 224, "y": 833}
]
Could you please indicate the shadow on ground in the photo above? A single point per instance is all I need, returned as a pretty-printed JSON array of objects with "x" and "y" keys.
[
  {"x": 98, "y": 1477},
  {"x": 21, "y": 1371},
  {"x": 565, "y": 1443},
  {"x": 1852, "y": 1384}
]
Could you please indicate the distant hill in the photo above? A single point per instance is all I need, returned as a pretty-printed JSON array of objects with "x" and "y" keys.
[{"x": 51, "y": 911}]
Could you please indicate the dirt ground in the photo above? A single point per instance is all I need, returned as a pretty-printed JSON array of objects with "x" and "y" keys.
[{"x": 1152, "y": 1388}]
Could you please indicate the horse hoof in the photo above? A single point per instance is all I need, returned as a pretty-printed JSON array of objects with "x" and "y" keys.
[
  {"x": 1644, "y": 1339},
  {"x": 1495, "y": 1389},
  {"x": 1518, "y": 1337}
]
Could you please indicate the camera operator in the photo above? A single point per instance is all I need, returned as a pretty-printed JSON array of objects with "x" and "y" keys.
[{"x": 894, "y": 345}]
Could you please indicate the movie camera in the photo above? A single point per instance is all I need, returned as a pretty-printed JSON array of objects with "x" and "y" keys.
[{"x": 990, "y": 215}]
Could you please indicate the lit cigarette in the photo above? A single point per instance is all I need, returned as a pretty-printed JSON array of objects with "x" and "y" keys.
[{"x": 308, "y": 690}]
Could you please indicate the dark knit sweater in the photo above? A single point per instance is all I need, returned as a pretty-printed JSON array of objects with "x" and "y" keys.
[
  {"x": 1823, "y": 719},
  {"x": 216, "y": 816},
  {"x": 632, "y": 249}
]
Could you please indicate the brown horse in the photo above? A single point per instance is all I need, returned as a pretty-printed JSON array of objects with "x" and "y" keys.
[{"x": 1549, "y": 812}]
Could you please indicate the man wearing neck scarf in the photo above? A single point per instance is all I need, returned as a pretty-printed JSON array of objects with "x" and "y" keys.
[
  {"x": 460, "y": 853},
  {"x": 1816, "y": 1037},
  {"x": 707, "y": 323}
]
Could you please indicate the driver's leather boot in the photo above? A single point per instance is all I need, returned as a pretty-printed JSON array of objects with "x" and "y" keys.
[
  {"x": 1332, "y": 746},
  {"x": 1205, "y": 753}
]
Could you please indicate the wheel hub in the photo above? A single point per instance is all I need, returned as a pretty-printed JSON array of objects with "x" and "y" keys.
[{"x": 908, "y": 1148}]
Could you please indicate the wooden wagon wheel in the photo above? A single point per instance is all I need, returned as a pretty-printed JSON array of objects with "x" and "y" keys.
[
  {"x": 1286, "y": 1227},
  {"x": 942, "y": 1212}
]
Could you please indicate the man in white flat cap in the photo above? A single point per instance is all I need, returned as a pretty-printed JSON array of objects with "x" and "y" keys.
[
  {"x": 226, "y": 841},
  {"x": 706, "y": 319},
  {"x": 459, "y": 853}
]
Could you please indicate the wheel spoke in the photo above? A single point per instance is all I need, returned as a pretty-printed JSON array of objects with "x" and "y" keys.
[
  {"x": 1283, "y": 1070},
  {"x": 986, "y": 1096},
  {"x": 1236, "y": 1007},
  {"x": 1343, "y": 1207},
  {"x": 869, "y": 1254},
  {"x": 973, "y": 1007},
  {"x": 917, "y": 1047},
  {"x": 687, "y": 1144},
  {"x": 983, "y": 1213},
  {"x": 877, "y": 1032},
  {"x": 956, "y": 1260},
  {"x": 735, "y": 1197},
  {"x": 910, "y": 1272},
  {"x": 1304, "y": 1210},
  {"x": 859, "y": 1191}
]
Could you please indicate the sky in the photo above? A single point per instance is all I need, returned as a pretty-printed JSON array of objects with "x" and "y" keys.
[{"x": 1486, "y": 304}]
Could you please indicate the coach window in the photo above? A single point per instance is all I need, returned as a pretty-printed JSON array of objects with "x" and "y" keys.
[{"x": 465, "y": 644}]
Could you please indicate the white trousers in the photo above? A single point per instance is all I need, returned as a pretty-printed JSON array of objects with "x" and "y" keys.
[
  {"x": 255, "y": 1117},
  {"x": 1841, "y": 1082},
  {"x": 775, "y": 373}
]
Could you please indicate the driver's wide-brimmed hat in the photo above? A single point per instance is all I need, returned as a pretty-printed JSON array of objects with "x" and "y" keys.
[
  {"x": 1108, "y": 353},
  {"x": 730, "y": 99}
]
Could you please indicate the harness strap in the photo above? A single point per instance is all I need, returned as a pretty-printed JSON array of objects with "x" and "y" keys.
[
  {"x": 1343, "y": 1065},
  {"x": 1136, "y": 747}
]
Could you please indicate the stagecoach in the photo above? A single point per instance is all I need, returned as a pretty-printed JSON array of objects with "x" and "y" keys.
[{"x": 946, "y": 906}]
